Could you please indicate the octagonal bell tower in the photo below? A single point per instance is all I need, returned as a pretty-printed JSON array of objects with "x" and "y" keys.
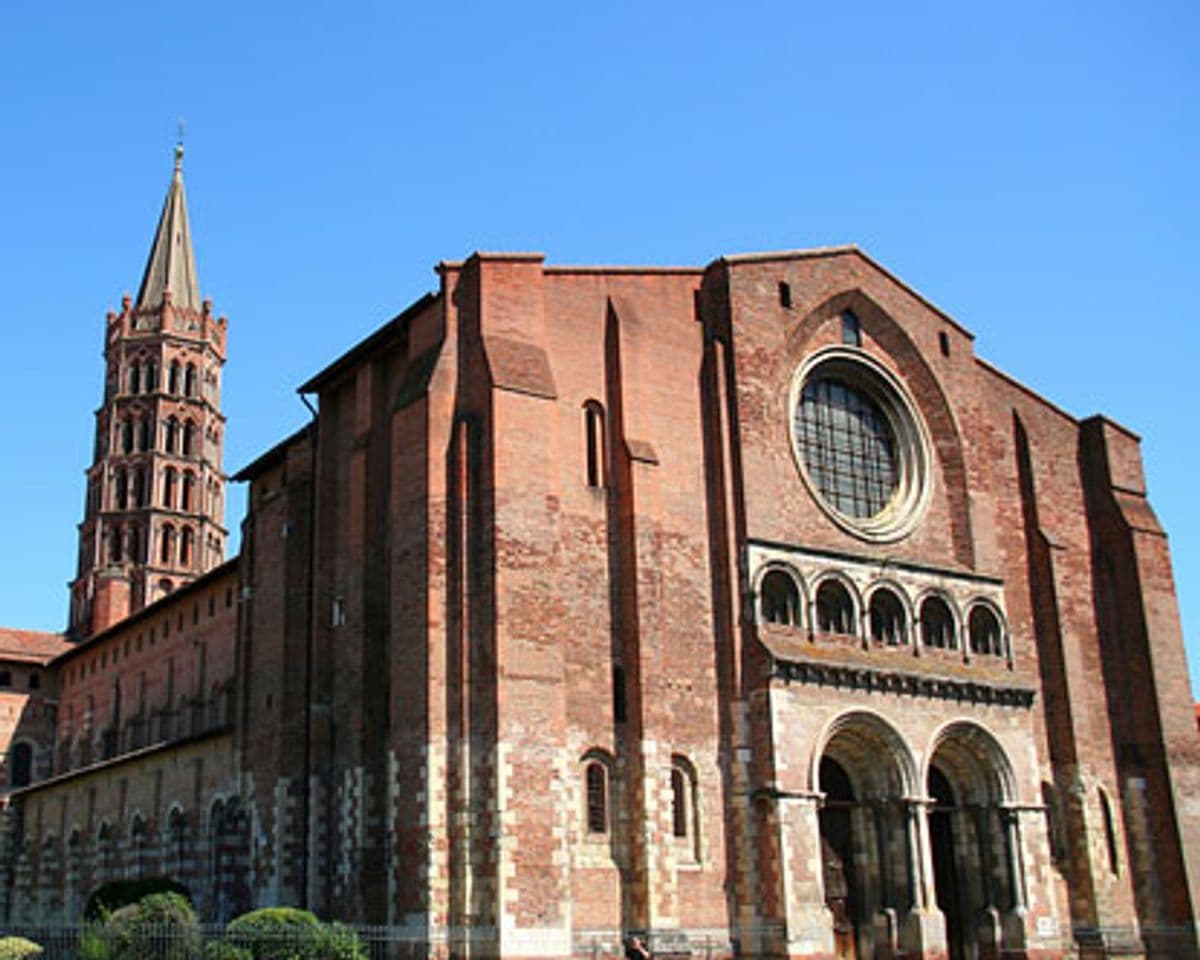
[{"x": 155, "y": 490}]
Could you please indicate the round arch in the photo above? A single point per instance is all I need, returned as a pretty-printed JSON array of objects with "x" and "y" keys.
[
  {"x": 974, "y": 760},
  {"x": 803, "y": 598},
  {"x": 855, "y": 740}
]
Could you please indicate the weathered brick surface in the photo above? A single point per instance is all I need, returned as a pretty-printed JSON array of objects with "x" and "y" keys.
[{"x": 527, "y": 534}]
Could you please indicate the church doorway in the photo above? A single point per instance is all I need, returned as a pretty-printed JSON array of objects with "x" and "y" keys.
[
  {"x": 837, "y": 855},
  {"x": 973, "y": 840},
  {"x": 945, "y": 865},
  {"x": 864, "y": 774}
]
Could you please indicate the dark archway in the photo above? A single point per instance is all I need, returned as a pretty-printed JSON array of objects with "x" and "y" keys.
[
  {"x": 837, "y": 856},
  {"x": 945, "y": 865},
  {"x": 974, "y": 839},
  {"x": 865, "y": 771}
]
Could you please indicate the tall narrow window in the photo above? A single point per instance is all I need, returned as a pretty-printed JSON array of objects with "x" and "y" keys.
[
  {"x": 168, "y": 496},
  {"x": 189, "y": 438},
  {"x": 1110, "y": 833},
  {"x": 173, "y": 378},
  {"x": 151, "y": 376},
  {"x": 593, "y": 428},
  {"x": 685, "y": 819},
  {"x": 678, "y": 803},
  {"x": 126, "y": 437},
  {"x": 114, "y": 545},
  {"x": 618, "y": 693},
  {"x": 597, "y": 798},
  {"x": 785, "y": 294},
  {"x": 135, "y": 378},
  {"x": 185, "y": 546},
  {"x": 167, "y": 544},
  {"x": 185, "y": 491},
  {"x": 189, "y": 380},
  {"x": 122, "y": 485},
  {"x": 851, "y": 329},
  {"x": 170, "y": 434},
  {"x": 145, "y": 434}
]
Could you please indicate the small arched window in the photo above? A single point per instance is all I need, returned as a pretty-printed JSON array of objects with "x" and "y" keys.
[
  {"x": 835, "y": 608},
  {"x": 126, "y": 436},
  {"x": 151, "y": 376},
  {"x": 851, "y": 329},
  {"x": 145, "y": 434},
  {"x": 189, "y": 438},
  {"x": 189, "y": 380},
  {"x": 114, "y": 545},
  {"x": 173, "y": 377},
  {"x": 937, "y": 624},
  {"x": 887, "y": 618},
  {"x": 177, "y": 833},
  {"x": 141, "y": 495},
  {"x": 593, "y": 432},
  {"x": 984, "y": 629},
  {"x": 185, "y": 491},
  {"x": 170, "y": 434},
  {"x": 186, "y": 538},
  {"x": 167, "y": 541},
  {"x": 779, "y": 599},
  {"x": 169, "y": 487},
  {"x": 122, "y": 485},
  {"x": 20, "y": 770},
  {"x": 135, "y": 378},
  {"x": 596, "y": 777}
]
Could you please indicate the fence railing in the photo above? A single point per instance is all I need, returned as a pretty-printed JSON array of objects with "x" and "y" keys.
[{"x": 78, "y": 941}]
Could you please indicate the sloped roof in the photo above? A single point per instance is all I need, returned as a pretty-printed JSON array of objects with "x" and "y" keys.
[
  {"x": 171, "y": 265},
  {"x": 31, "y": 646}
]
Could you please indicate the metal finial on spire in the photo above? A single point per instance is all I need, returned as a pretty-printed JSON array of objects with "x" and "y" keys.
[{"x": 179, "y": 147}]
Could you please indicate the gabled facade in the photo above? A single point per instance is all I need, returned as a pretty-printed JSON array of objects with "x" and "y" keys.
[
  {"x": 742, "y": 607},
  {"x": 744, "y": 599}
]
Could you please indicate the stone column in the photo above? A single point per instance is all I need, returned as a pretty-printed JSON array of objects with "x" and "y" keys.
[
  {"x": 808, "y": 921},
  {"x": 924, "y": 930},
  {"x": 1011, "y": 819}
]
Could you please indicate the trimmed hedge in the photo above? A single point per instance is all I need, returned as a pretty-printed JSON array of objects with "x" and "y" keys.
[
  {"x": 289, "y": 933},
  {"x": 161, "y": 926}
]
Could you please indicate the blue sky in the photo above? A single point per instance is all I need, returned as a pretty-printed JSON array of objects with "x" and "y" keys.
[{"x": 1030, "y": 167}]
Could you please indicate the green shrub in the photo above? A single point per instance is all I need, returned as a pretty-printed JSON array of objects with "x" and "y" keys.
[
  {"x": 289, "y": 933},
  {"x": 161, "y": 926},
  {"x": 18, "y": 948},
  {"x": 92, "y": 945}
]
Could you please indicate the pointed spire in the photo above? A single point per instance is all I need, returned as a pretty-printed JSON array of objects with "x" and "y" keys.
[{"x": 171, "y": 265}]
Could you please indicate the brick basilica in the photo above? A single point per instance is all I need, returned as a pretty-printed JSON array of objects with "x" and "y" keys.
[{"x": 740, "y": 604}]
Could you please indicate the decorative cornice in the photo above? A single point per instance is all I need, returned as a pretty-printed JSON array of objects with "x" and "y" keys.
[{"x": 906, "y": 684}]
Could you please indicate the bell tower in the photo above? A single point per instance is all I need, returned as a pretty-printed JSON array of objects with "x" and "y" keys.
[{"x": 155, "y": 490}]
